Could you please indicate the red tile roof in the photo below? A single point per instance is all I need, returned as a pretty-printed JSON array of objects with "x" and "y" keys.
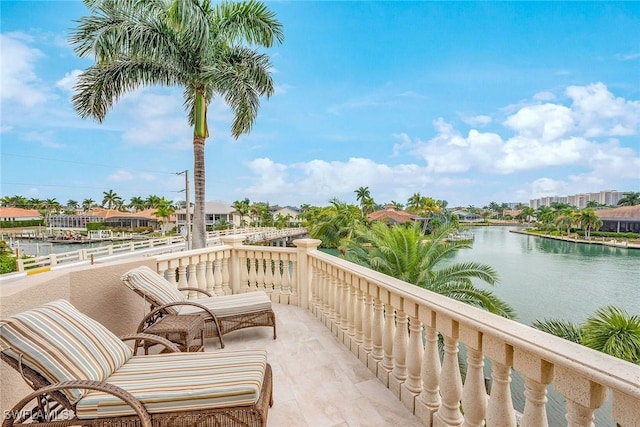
[
  {"x": 19, "y": 213},
  {"x": 621, "y": 212},
  {"x": 390, "y": 213}
]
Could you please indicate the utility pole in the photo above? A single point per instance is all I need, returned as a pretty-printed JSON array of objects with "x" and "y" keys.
[{"x": 188, "y": 205}]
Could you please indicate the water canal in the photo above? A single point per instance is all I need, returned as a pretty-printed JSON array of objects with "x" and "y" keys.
[{"x": 544, "y": 278}]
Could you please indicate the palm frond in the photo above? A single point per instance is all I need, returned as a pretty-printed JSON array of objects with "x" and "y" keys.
[
  {"x": 560, "y": 328},
  {"x": 613, "y": 331}
]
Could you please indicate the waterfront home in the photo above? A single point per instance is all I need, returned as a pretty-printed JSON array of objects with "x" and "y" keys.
[
  {"x": 19, "y": 215},
  {"x": 625, "y": 219},
  {"x": 214, "y": 212},
  {"x": 391, "y": 216}
]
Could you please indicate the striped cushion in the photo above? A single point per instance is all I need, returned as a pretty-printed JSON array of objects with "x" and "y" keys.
[
  {"x": 156, "y": 288},
  {"x": 182, "y": 382},
  {"x": 62, "y": 344},
  {"x": 228, "y": 305}
]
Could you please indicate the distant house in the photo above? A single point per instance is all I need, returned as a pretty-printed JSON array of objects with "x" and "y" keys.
[
  {"x": 214, "y": 212},
  {"x": 465, "y": 216},
  {"x": 19, "y": 215},
  {"x": 130, "y": 220},
  {"x": 292, "y": 211},
  {"x": 391, "y": 216},
  {"x": 625, "y": 219}
]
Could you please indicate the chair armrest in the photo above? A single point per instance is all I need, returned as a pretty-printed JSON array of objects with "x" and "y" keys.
[
  {"x": 152, "y": 338},
  {"x": 46, "y": 392},
  {"x": 202, "y": 291},
  {"x": 152, "y": 316}
]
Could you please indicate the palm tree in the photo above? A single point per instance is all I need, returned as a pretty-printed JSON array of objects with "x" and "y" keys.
[
  {"x": 72, "y": 205},
  {"x": 191, "y": 44},
  {"x": 87, "y": 204},
  {"x": 564, "y": 221},
  {"x": 335, "y": 222},
  {"x": 406, "y": 254},
  {"x": 414, "y": 203},
  {"x": 363, "y": 195},
  {"x": 137, "y": 203},
  {"x": 631, "y": 198},
  {"x": 110, "y": 200},
  {"x": 588, "y": 220},
  {"x": 164, "y": 211},
  {"x": 610, "y": 330},
  {"x": 242, "y": 209},
  {"x": 152, "y": 201}
]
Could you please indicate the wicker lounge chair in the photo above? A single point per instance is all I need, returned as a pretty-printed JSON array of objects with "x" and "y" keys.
[
  {"x": 225, "y": 313},
  {"x": 83, "y": 375}
]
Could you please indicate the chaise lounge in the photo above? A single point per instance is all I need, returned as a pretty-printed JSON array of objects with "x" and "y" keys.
[
  {"x": 84, "y": 375},
  {"x": 225, "y": 313}
]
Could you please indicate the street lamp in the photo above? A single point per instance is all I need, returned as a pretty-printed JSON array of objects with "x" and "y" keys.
[{"x": 188, "y": 205}]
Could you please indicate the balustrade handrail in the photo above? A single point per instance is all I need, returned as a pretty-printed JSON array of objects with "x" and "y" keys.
[{"x": 599, "y": 367}]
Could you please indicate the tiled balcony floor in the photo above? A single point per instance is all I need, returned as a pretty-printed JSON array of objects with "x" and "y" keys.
[{"x": 317, "y": 381}]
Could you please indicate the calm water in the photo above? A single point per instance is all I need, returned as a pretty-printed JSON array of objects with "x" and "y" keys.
[{"x": 544, "y": 278}]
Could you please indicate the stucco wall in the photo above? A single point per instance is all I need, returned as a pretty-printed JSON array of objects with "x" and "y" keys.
[{"x": 95, "y": 290}]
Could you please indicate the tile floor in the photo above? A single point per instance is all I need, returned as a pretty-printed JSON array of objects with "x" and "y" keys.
[{"x": 317, "y": 381}]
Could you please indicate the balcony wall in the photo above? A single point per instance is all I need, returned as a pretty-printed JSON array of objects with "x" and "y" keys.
[{"x": 391, "y": 326}]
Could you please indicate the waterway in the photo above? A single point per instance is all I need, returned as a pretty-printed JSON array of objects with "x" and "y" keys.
[{"x": 544, "y": 278}]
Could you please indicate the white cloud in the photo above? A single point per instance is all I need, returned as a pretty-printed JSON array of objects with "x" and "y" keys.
[
  {"x": 281, "y": 89},
  {"x": 544, "y": 96},
  {"x": 599, "y": 113},
  {"x": 547, "y": 121},
  {"x": 69, "y": 80},
  {"x": 479, "y": 120},
  {"x": 19, "y": 83}
]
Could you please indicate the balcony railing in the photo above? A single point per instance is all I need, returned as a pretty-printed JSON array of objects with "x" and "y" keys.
[{"x": 393, "y": 328}]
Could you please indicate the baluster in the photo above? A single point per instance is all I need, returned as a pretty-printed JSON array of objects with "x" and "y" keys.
[
  {"x": 399, "y": 373},
  {"x": 201, "y": 277},
  {"x": 253, "y": 272},
  {"x": 428, "y": 403},
  {"x": 337, "y": 323},
  {"x": 260, "y": 266},
  {"x": 388, "y": 335},
  {"x": 367, "y": 324},
  {"x": 412, "y": 386},
  {"x": 293, "y": 299},
  {"x": 192, "y": 280},
  {"x": 537, "y": 374},
  {"x": 450, "y": 382},
  {"x": 625, "y": 409},
  {"x": 359, "y": 336},
  {"x": 244, "y": 273},
  {"x": 377, "y": 350},
  {"x": 210, "y": 279},
  {"x": 217, "y": 276},
  {"x": 344, "y": 307},
  {"x": 182, "y": 277},
  {"x": 286, "y": 279},
  {"x": 583, "y": 396},
  {"x": 226, "y": 275},
  {"x": 351, "y": 311},
  {"x": 268, "y": 273},
  {"x": 474, "y": 393},
  {"x": 171, "y": 274},
  {"x": 500, "y": 407},
  {"x": 277, "y": 277}
]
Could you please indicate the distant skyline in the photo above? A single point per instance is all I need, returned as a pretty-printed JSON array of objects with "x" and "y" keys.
[{"x": 469, "y": 102}]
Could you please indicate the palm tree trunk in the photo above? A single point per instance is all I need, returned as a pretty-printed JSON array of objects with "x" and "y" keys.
[{"x": 199, "y": 234}]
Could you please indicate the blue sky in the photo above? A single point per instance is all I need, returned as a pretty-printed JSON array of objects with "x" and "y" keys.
[{"x": 470, "y": 102}]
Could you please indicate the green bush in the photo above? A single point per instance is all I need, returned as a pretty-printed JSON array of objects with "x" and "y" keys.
[
  {"x": 29, "y": 223},
  {"x": 8, "y": 264},
  {"x": 96, "y": 226}
]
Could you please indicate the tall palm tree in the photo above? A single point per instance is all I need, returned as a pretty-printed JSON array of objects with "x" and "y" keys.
[
  {"x": 610, "y": 330},
  {"x": 187, "y": 43},
  {"x": 631, "y": 198},
  {"x": 588, "y": 220},
  {"x": 87, "y": 204},
  {"x": 367, "y": 204},
  {"x": 242, "y": 208},
  {"x": 564, "y": 222},
  {"x": 164, "y": 211},
  {"x": 110, "y": 200},
  {"x": 137, "y": 203},
  {"x": 406, "y": 254}
]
